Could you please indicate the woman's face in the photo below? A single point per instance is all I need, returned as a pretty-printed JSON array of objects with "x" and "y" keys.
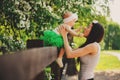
[{"x": 87, "y": 30}]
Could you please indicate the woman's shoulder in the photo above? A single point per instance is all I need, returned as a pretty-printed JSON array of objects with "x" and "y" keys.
[
  {"x": 94, "y": 44},
  {"x": 94, "y": 47}
]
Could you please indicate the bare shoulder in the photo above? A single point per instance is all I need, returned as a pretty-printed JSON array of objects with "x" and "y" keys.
[{"x": 93, "y": 47}]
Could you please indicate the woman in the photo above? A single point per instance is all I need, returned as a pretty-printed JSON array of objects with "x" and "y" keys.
[{"x": 89, "y": 52}]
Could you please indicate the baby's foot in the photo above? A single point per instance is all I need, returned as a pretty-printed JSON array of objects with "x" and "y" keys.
[{"x": 59, "y": 62}]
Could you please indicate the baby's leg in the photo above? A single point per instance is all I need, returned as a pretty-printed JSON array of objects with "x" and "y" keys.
[
  {"x": 59, "y": 59},
  {"x": 61, "y": 53}
]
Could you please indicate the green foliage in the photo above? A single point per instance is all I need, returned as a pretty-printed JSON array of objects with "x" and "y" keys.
[
  {"x": 112, "y": 36},
  {"x": 78, "y": 41},
  {"x": 21, "y": 20}
]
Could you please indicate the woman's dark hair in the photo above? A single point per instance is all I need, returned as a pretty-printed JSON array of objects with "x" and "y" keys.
[{"x": 96, "y": 34}]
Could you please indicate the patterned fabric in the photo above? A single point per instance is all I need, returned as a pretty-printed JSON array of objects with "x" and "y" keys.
[{"x": 51, "y": 38}]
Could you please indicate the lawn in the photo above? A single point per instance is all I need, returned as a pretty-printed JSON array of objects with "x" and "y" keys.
[
  {"x": 108, "y": 62},
  {"x": 0, "y": 53}
]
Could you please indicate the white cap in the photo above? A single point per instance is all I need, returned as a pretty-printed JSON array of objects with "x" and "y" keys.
[{"x": 73, "y": 16}]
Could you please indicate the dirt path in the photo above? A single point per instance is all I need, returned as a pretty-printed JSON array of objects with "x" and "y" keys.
[
  {"x": 114, "y": 54},
  {"x": 107, "y": 75},
  {"x": 101, "y": 75}
]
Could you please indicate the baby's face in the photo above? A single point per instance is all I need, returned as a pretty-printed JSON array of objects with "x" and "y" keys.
[{"x": 71, "y": 23}]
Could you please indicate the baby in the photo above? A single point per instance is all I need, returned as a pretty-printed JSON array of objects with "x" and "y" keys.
[{"x": 53, "y": 37}]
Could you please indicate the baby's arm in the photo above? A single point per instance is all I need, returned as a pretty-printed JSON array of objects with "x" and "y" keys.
[
  {"x": 74, "y": 32},
  {"x": 78, "y": 29}
]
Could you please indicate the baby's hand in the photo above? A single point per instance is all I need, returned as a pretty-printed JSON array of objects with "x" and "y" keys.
[
  {"x": 79, "y": 29},
  {"x": 80, "y": 35}
]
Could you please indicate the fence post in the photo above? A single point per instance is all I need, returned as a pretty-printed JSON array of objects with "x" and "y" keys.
[{"x": 34, "y": 44}]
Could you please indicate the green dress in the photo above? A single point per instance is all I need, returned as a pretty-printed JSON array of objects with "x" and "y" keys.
[{"x": 51, "y": 38}]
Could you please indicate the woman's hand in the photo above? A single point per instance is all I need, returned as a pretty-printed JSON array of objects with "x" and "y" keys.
[{"x": 62, "y": 30}]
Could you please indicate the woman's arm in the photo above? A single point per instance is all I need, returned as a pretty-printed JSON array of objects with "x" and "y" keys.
[{"x": 89, "y": 49}]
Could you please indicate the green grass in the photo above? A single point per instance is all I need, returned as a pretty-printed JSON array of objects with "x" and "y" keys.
[
  {"x": 108, "y": 62},
  {"x": 0, "y": 53}
]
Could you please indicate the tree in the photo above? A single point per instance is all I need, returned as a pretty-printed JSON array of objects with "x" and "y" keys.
[
  {"x": 23, "y": 19},
  {"x": 112, "y": 36}
]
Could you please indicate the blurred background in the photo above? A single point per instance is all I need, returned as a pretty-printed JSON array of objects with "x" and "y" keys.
[{"x": 22, "y": 20}]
